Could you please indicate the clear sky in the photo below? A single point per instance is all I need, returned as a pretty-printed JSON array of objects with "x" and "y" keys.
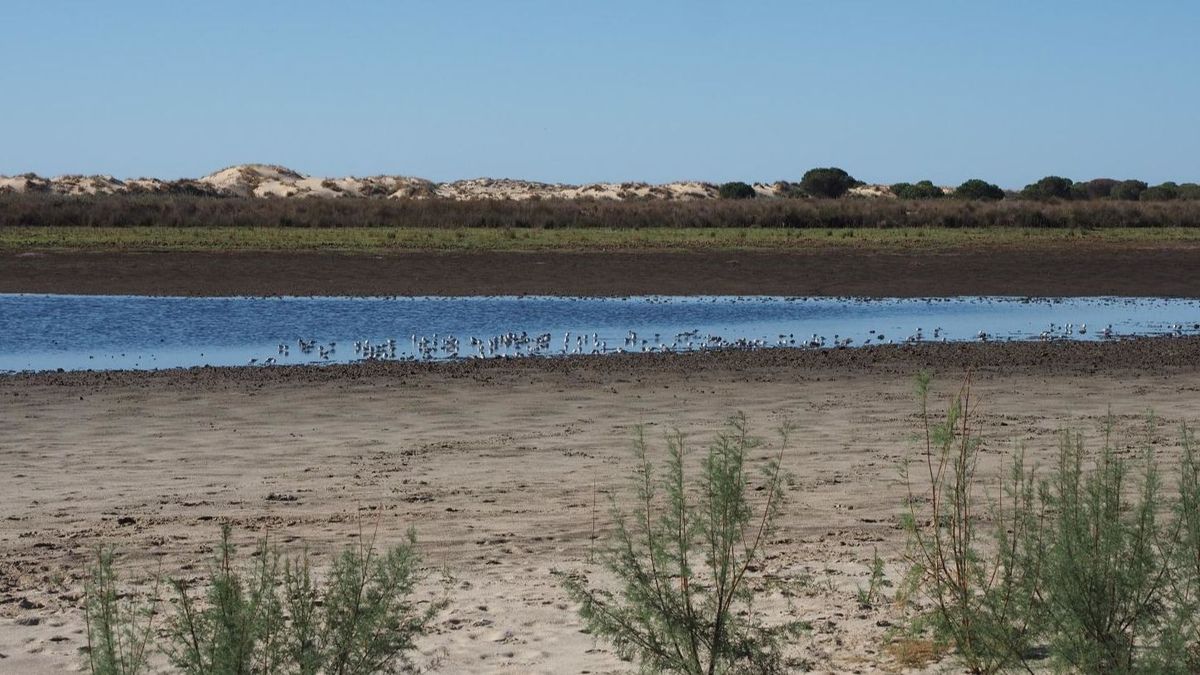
[{"x": 576, "y": 91}]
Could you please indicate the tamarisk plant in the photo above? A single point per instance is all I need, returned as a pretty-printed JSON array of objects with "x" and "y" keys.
[
  {"x": 118, "y": 629},
  {"x": 240, "y": 629},
  {"x": 275, "y": 618},
  {"x": 1186, "y": 589},
  {"x": 271, "y": 616},
  {"x": 1108, "y": 569},
  {"x": 981, "y": 584},
  {"x": 682, "y": 556}
]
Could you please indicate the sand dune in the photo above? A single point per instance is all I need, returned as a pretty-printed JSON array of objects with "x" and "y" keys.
[{"x": 270, "y": 180}]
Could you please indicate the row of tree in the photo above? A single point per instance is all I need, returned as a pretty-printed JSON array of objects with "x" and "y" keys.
[
  {"x": 832, "y": 182},
  {"x": 1057, "y": 187}
]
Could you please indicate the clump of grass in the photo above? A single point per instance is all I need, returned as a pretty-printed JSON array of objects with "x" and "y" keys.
[
  {"x": 682, "y": 557},
  {"x": 872, "y": 593}
]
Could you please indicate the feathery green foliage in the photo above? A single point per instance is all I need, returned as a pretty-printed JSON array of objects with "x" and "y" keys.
[
  {"x": 1094, "y": 565},
  {"x": 980, "y": 582},
  {"x": 239, "y": 629},
  {"x": 271, "y": 615},
  {"x": 1107, "y": 565},
  {"x": 118, "y": 630},
  {"x": 682, "y": 558},
  {"x": 274, "y": 618}
]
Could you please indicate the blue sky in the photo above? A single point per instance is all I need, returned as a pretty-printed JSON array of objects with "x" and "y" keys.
[{"x": 588, "y": 91}]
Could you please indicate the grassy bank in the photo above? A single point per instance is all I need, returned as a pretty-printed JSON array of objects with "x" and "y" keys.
[{"x": 382, "y": 240}]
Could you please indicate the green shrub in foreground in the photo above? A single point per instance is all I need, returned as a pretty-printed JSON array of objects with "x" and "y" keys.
[
  {"x": 1094, "y": 566},
  {"x": 118, "y": 629},
  {"x": 980, "y": 582},
  {"x": 1107, "y": 572},
  {"x": 681, "y": 557},
  {"x": 272, "y": 616}
]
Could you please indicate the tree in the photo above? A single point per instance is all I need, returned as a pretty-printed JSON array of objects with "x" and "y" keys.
[
  {"x": 830, "y": 182},
  {"x": 921, "y": 190},
  {"x": 736, "y": 190},
  {"x": 979, "y": 189},
  {"x": 1129, "y": 190},
  {"x": 1160, "y": 193},
  {"x": 1050, "y": 187},
  {"x": 1097, "y": 188},
  {"x": 1189, "y": 191}
]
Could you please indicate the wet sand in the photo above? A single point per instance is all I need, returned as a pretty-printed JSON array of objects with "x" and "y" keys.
[
  {"x": 494, "y": 463},
  {"x": 1035, "y": 270}
]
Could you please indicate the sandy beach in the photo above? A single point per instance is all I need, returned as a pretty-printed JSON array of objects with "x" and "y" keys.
[{"x": 494, "y": 463}]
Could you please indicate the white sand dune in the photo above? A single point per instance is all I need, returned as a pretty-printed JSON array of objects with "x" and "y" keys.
[{"x": 274, "y": 181}]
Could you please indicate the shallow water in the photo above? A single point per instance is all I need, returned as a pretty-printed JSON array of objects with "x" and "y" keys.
[{"x": 73, "y": 332}]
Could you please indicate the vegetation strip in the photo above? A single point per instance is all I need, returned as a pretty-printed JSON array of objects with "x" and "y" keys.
[{"x": 371, "y": 239}]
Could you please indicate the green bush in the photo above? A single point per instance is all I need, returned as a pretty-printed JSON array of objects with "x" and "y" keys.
[
  {"x": 736, "y": 190},
  {"x": 682, "y": 557},
  {"x": 1189, "y": 191},
  {"x": 921, "y": 190},
  {"x": 1164, "y": 192},
  {"x": 981, "y": 582},
  {"x": 829, "y": 183},
  {"x": 1107, "y": 567},
  {"x": 1050, "y": 187},
  {"x": 271, "y": 616},
  {"x": 1097, "y": 188},
  {"x": 1128, "y": 190},
  {"x": 118, "y": 628},
  {"x": 979, "y": 189},
  {"x": 1094, "y": 566}
]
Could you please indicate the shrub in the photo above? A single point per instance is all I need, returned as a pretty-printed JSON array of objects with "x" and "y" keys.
[
  {"x": 829, "y": 183},
  {"x": 240, "y": 630},
  {"x": 981, "y": 583},
  {"x": 1086, "y": 561},
  {"x": 736, "y": 190},
  {"x": 179, "y": 211},
  {"x": 978, "y": 189},
  {"x": 1107, "y": 563},
  {"x": 1189, "y": 191},
  {"x": 1050, "y": 187},
  {"x": 682, "y": 558},
  {"x": 1186, "y": 589},
  {"x": 271, "y": 616},
  {"x": 1128, "y": 190},
  {"x": 921, "y": 190},
  {"x": 1160, "y": 193},
  {"x": 1097, "y": 188},
  {"x": 118, "y": 630}
]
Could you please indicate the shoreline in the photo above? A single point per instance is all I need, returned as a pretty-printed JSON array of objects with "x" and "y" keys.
[{"x": 1145, "y": 355}]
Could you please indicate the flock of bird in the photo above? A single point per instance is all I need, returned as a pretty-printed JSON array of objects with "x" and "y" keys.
[{"x": 523, "y": 344}]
